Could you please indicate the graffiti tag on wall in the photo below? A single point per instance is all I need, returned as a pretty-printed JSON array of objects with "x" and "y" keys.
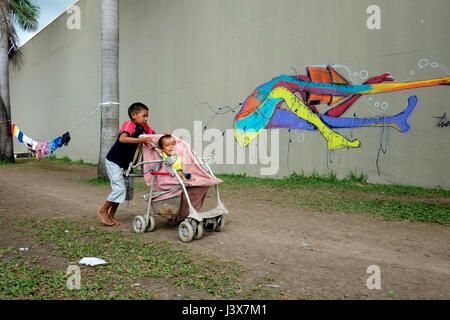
[{"x": 443, "y": 121}]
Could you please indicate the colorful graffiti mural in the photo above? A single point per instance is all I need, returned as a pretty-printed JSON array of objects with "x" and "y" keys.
[{"x": 322, "y": 85}]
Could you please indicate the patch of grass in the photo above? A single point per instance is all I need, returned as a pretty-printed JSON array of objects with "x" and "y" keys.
[
  {"x": 142, "y": 186},
  {"x": 22, "y": 277},
  {"x": 96, "y": 181},
  {"x": 5, "y": 163},
  {"x": 50, "y": 159},
  {"x": 352, "y": 194},
  {"x": 389, "y": 209},
  {"x": 138, "y": 185},
  {"x": 67, "y": 160},
  {"x": 133, "y": 266},
  {"x": 353, "y": 181},
  {"x": 353, "y": 177}
]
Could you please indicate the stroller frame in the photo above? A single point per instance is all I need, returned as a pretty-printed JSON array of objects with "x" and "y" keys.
[{"x": 195, "y": 224}]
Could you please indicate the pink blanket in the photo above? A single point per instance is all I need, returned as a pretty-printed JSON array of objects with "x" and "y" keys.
[{"x": 196, "y": 188}]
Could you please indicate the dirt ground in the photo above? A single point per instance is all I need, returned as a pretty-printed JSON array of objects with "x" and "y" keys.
[{"x": 309, "y": 254}]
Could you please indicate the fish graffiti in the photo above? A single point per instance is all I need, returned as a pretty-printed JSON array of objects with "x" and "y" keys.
[{"x": 322, "y": 85}]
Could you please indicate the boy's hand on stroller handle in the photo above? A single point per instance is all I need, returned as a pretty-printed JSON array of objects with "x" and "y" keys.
[{"x": 148, "y": 141}]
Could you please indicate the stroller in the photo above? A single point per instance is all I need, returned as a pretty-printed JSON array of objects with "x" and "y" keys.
[{"x": 171, "y": 197}]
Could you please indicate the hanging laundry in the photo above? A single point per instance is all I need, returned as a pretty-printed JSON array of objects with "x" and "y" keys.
[
  {"x": 42, "y": 149},
  {"x": 45, "y": 151},
  {"x": 57, "y": 142},
  {"x": 30, "y": 143},
  {"x": 39, "y": 151},
  {"x": 65, "y": 138}
]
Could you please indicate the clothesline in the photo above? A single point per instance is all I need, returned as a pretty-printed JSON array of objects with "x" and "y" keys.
[
  {"x": 104, "y": 104},
  {"x": 43, "y": 149}
]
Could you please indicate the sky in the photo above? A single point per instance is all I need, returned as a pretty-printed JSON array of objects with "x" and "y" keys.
[{"x": 50, "y": 10}]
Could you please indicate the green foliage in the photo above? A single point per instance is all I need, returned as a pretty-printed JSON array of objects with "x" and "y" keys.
[
  {"x": 103, "y": 181},
  {"x": 6, "y": 163},
  {"x": 353, "y": 181},
  {"x": 130, "y": 259},
  {"x": 138, "y": 185},
  {"x": 352, "y": 194},
  {"x": 389, "y": 209},
  {"x": 355, "y": 178},
  {"x": 25, "y": 14},
  {"x": 67, "y": 160}
]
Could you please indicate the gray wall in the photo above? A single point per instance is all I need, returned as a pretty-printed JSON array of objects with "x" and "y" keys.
[
  {"x": 183, "y": 57},
  {"x": 60, "y": 83}
]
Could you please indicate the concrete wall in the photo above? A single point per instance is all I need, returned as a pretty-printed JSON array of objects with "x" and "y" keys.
[
  {"x": 60, "y": 83},
  {"x": 185, "y": 59}
]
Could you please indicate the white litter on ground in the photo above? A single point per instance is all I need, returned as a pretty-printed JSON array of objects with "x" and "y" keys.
[{"x": 92, "y": 261}]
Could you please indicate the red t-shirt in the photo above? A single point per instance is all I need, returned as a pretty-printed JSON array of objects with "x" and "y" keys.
[
  {"x": 122, "y": 153},
  {"x": 130, "y": 127}
]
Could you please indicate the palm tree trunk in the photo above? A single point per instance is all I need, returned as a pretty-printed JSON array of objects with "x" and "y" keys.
[
  {"x": 6, "y": 142},
  {"x": 110, "y": 80}
]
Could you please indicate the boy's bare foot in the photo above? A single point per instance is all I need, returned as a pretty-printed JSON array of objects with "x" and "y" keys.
[
  {"x": 104, "y": 218},
  {"x": 116, "y": 222}
]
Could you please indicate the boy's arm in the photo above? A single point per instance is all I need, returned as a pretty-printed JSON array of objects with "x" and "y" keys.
[{"x": 124, "y": 138}]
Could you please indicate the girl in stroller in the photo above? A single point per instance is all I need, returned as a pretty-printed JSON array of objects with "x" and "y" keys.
[{"x": 174, "y": 198}]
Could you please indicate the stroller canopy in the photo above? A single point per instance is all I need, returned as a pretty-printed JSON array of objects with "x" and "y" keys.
[{"x": 190, "y": 163}]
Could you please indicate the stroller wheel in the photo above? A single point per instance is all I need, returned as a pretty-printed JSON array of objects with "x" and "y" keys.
[
  {"x": 198, "y": 229},
  {"x": 139, "y": 224},
  {"x": 209, "y": 224},
  {"x": 185, "y": 232},
  {"x": 151, "y": 225},
  {"x": 220, "y": 223}
]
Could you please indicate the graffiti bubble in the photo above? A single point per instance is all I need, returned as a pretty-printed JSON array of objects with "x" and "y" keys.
[
  {"x": 423, "y": 63},
  {"x": 434, "y": 64},
  {"x": 300, "y": 137},
  {"x": 364, "y": 74},
  {"x": 355, "y": 74},
  {"x": 412, "y": 73},
  {"x": 377, "y": 104},
  {"x": 384, "y": 105},
  {"x": 370, "y": 99}
]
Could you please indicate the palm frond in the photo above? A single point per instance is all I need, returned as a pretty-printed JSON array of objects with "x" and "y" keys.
[
  {"x": 6, "y": 26},
  {"x": 25, "y": 14},
  {"x": 15, "y": 55}
]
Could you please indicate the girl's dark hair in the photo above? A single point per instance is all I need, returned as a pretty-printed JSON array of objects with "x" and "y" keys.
[
  {"x": 160, "y": 141},
  {"x": 136, "y": 108}
]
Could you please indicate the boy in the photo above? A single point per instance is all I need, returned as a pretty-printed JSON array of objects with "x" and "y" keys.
[
  {"x": 167, "y": 146},
  {"x": 120, "y": 156}
]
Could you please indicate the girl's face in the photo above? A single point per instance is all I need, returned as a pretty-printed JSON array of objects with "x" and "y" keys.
[{"x": 168, "y": 146}]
